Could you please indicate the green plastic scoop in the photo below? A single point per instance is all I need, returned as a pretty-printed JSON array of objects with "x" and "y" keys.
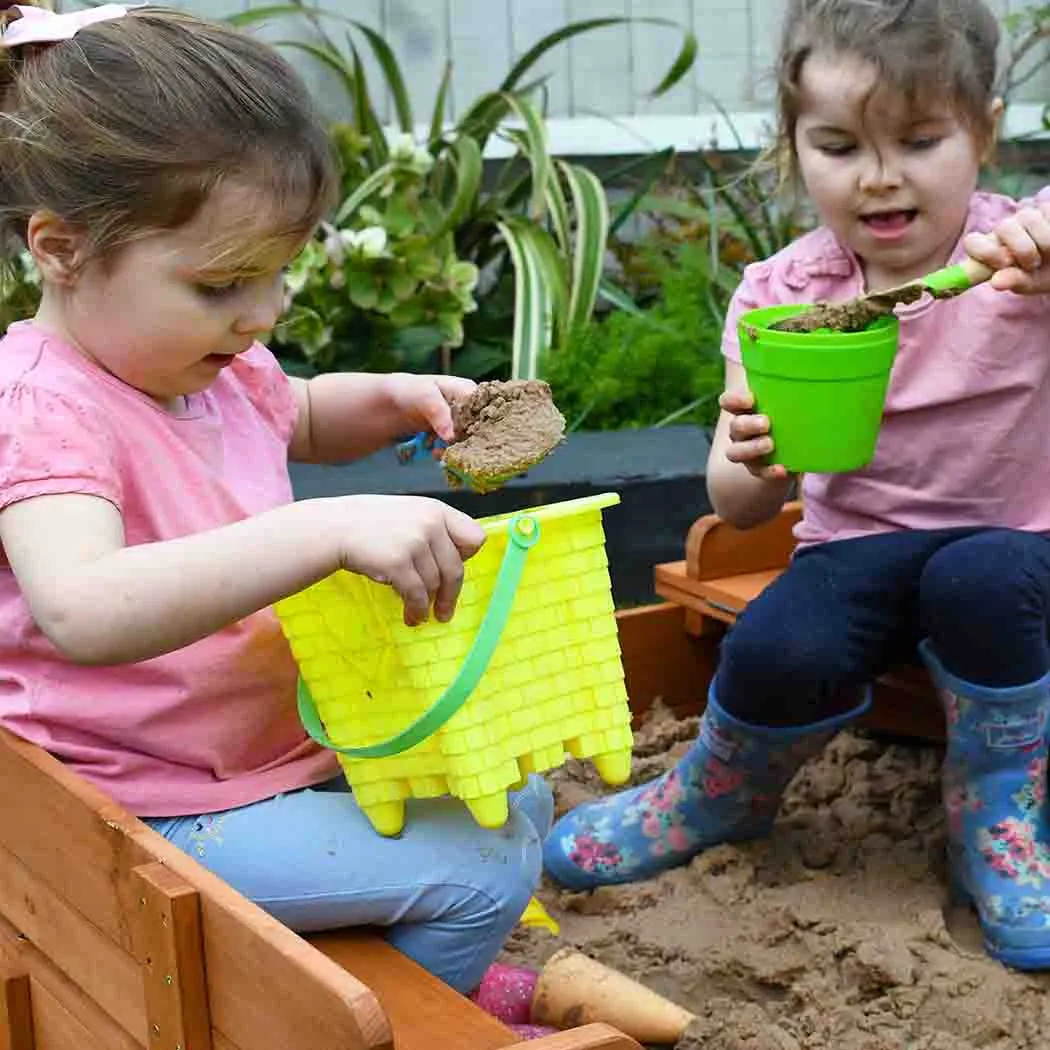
[{"x": 856, "y": 315}]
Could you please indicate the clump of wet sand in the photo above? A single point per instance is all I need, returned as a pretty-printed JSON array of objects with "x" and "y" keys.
[{"x": 502, "y": 429}]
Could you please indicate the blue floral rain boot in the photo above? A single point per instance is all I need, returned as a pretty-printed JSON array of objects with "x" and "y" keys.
[
  {"x": 994, "y": 783},
  {"x": 727, "y": 788}
]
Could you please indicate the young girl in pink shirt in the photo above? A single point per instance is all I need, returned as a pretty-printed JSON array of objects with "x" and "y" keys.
[
  {"x": 940, "y": 548},
  {"x": 162, "y": 171}
]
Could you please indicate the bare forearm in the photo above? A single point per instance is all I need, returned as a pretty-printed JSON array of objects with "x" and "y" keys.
[
  {"x": 351, "y": 415},
  {"x": 742, "y": 499},
  {"x": 143, "y": 601}
]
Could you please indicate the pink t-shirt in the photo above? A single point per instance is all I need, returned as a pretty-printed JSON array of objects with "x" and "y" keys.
[
  {"x": 965, "y": 437},
  {"x": 212, "y": 725}
]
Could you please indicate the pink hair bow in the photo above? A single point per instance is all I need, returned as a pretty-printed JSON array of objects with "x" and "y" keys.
[{"x": 37, "y": 26}]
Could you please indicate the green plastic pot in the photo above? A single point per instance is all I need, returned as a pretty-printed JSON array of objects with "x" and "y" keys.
[{"x": 823, "y": 391}]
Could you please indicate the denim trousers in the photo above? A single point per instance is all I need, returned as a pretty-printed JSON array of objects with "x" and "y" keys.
[
  {"x": 844, "y": 611},
  {"x": 447, "y": 891}
]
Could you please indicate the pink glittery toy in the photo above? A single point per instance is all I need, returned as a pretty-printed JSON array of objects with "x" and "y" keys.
[
  {"x": 532, "y": 1031},
  {"x": 506, "y": 993}
]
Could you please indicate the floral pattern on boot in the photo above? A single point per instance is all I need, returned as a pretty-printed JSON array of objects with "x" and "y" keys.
[
  {"x": 995, "y": 797},
  {"x": 726, "y": 788}
]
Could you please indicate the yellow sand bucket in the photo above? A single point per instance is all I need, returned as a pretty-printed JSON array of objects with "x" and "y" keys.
[{"x": 528, "y": 669}]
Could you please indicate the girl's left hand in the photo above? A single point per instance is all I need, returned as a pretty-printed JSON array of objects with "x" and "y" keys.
[
  {"x": 1018, "y": 249},
  {"x": 423, "y": 401}
]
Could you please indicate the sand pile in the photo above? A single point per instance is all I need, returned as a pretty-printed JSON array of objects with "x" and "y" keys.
[
  {"x": 831, "y": 935},
  {"x": 502, "y": 429}
]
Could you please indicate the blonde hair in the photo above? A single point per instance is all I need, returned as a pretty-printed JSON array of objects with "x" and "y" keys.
[
  {"x": 127, "y": 128},
  {"x": 919, "y": 47}
]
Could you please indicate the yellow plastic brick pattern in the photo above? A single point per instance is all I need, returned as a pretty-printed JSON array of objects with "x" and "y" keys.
[{"x": 554, "y": 684}]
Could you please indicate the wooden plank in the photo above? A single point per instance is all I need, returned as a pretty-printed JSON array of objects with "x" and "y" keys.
[
  {"x": 107, "y": 973},
  {"x": 703, "y": 619},
  {"x": 267, "y": 988},
  {"x": 729, "y": 593},
  {"x": 586, "y": 1037},
  {"x": 65, "y": 1017},
  {"x": 418, "y": 1005},
  {"x": 715, "y": 548},
  {"x": 16, "y": 1011},
  {"x": 734, "y": 592},
  {"x": 56, "y": 1028},
  {"x": 662, "y": 661},
  {"x": 172, "y": 960}
]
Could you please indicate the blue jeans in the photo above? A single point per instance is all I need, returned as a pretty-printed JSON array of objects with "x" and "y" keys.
[
  {"x": 843, "y": 612},
  {"x": 448, "y": 890}
]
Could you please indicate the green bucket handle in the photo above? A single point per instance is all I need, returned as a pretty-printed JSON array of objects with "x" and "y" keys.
[{"x": 523, "y": 532}]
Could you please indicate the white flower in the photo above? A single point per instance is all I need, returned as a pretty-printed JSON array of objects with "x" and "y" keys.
[
  {"x": 369, "y": 243},
  {"x": 403, "y": 150},
  {"x": 334, "y": 247}
]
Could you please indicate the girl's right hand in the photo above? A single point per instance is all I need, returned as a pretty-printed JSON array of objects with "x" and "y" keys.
[
  {"x": 414, "y": 544},
  {"x": 750, "y": 443}
]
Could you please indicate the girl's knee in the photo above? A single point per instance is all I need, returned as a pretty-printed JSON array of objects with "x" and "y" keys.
[
  {"x": 766, "y": 659},
  {"x": 512, "y": 884},
  {"x": 536, "y": 801},
  {"x": 990, "y": 575}
]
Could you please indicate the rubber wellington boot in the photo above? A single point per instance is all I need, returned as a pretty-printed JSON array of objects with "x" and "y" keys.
[
  {"x": 726, "y": 788},
  {"x": 994, "y": 784}
]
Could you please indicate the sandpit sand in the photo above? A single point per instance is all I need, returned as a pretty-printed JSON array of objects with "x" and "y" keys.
[{"x": 834, "y": 934}]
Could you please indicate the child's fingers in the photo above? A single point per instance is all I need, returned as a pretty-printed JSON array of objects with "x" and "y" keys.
[
  {"x": 736, "y": 401},
  {"x": 433, "y": 407},
  {"x": 1021, "y": 281},
  {"x": 412, "y": 590},
  {"x": 748, "y": 451},
  {"x": 1020, "y": 236},
  {"x": 988, "y": 249},
  {"x": 741, "y": 428},
  {"x": 466, "y": 534},
  {"x": 449, "y": 564}
]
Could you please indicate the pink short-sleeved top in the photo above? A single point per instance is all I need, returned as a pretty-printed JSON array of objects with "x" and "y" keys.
[
  {"x": 965, "y": 436},
  {"x": 212, "y": 725}
]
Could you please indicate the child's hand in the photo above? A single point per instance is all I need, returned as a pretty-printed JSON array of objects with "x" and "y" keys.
[
  {"x": 424, "y": 401},
  {"x": 414, "y": 544},
  {"x": 749, "y": 440},
  {"x": 1018, "y": 249}
]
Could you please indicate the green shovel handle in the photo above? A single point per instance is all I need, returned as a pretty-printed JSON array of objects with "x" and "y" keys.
[
  {"x": 957, "y": 278},
  {"x": 523, "y": 533}
]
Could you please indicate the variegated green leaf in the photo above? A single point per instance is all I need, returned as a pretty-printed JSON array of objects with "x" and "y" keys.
[
  {"x": 363, "y": 192},
  {"x": 382, "y": 51},
  {"x": 591, "y": 236},
  {"x": 681, "y": 65},
  {"x": 465, "y": 158},
  {"x": 558, "y": 209},
  {"x": 437, "y": 120},
  {"x": 532, "y": 300},
  {"x": 535, "y": 149}
]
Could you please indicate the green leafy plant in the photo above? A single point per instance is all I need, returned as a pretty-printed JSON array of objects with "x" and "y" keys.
[
  {"x": 19, "y": 289},
  {"x": 535, "y": 237},
  {"x": 387, "y": 290},
  {"x": 725, "y": 202},
  {"x": 650, "y": 367}
]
